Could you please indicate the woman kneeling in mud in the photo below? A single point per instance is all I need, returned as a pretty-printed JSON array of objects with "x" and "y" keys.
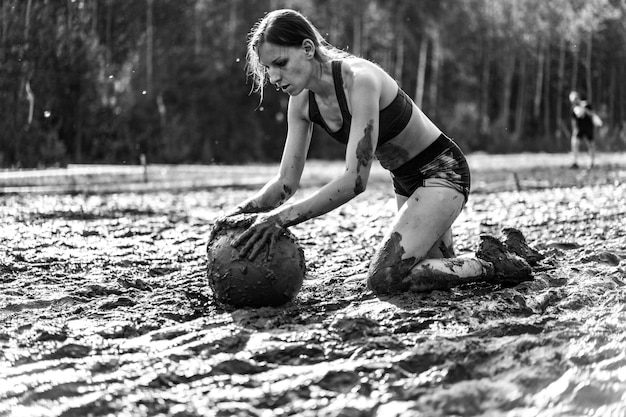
[{"x": 361, "y": 106}]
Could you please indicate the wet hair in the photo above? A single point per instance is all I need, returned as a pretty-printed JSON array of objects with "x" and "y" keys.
[{"x": 289, "y": 28}]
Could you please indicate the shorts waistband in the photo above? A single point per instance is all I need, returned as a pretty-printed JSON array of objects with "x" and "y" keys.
[{"x": 440, "y": 144}]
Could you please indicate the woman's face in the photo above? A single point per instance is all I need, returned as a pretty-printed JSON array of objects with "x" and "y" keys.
[{"x": 289, "y": 68}]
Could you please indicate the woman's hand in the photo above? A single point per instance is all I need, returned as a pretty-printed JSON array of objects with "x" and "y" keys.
[
  {"x": 264, "y": 231},
  {"x": 231, "y": 221}
]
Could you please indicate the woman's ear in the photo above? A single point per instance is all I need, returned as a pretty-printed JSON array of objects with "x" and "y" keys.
[{"x": 309, "y": 48}]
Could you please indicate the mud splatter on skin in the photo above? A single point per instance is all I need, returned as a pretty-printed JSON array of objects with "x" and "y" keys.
[
  {"x": 253, "y": 207},
  {"x": 392, "y": 274},
  {"x": 388, "y": 268},
  {"x": 365, "y": 150},
  {"x": 430, "y": 279},
  {"x": 364, "y": 155},
  {"x": 358, "y": 185},
  {"x": 285, "y": 194},
  {"x": 392, "y": 156},
  {"x": 237, "y": 220},
  {"x": 299, "y": 219}
]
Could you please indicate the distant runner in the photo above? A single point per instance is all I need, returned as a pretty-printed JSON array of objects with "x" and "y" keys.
[{"x": 584, "y": 120}]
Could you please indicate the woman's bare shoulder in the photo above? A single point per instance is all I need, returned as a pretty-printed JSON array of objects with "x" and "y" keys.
[
  {"x": 361, "y": 70},
  {"x": 299, "y": 105},
  {"x": 369, "y": 76}
]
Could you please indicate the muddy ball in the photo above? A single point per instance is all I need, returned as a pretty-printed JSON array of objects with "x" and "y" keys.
[{"x": 259, "y": 283}]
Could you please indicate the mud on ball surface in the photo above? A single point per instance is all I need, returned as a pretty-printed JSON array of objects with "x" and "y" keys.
[{"x": 260, "y": 283}]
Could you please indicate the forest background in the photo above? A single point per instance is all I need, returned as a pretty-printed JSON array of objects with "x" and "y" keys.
[{"x": 106, "y": 81}]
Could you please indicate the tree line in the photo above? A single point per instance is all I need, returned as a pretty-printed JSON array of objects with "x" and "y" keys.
[{"x": 110, "y": 80}]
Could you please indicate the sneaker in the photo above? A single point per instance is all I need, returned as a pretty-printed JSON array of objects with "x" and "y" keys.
[
  {"x": 516, "y": 243},
  {"x": 508, "y": 267}
]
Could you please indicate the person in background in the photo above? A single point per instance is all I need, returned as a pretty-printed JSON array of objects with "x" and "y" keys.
[
  {"x": 361, "y": 106},
  {"x": 584, "y": 120}
]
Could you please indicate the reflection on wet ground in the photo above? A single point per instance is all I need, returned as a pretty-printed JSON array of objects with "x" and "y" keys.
[{"x": 105, "y": 310}]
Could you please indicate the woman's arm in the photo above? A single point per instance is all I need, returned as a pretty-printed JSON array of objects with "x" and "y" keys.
[
  {"x": 364, "y": 94},
  {"x": 280, "y": 188}
]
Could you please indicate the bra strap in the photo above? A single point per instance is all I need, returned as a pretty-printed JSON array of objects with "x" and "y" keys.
[{"x": 341, "y": 96}]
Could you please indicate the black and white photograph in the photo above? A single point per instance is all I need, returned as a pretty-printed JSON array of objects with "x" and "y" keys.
[{"x": 315, "y": 208}]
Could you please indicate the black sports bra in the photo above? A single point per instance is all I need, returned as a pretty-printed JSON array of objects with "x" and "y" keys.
[{"x": 392, "y": 119}]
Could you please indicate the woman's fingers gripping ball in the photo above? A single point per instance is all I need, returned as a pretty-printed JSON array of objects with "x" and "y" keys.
[
  {"x": 232, "y": 221},
  {"x": 263, "y": 233}
]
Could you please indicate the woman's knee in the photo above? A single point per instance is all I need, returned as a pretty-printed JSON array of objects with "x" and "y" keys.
[{"x": 388, "y": 271}]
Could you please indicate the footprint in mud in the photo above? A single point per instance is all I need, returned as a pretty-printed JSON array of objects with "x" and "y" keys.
[
  {"x": 70, "y": 350},
  {"x": 96, "y": 290},
  {"x": 58, "y": 334},
  {"x": 118, "y": 329},
  {"x": 509, "y": 329},
  {"x": 300, "y": 354},
  {"x": 350, "y": 328},
  {"x": 237, "y": 366},
  {"x": 121, "y": 301},
  {"x": 418, "y": 362},
  {"x": 412, "y": 325},
  {"x": 563, "y": 245},
  {"x": 603, "y": 257},
  {"x": 137, "y": 283},
  {"x": 228, "y": 344},
  {"x": 167, "y": 334},
  {"x": 339, "y": 381}
]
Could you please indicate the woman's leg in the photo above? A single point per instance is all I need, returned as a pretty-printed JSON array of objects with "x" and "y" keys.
[
  {"x": 421, "y": 230},
  {"x": 575, "y": 150},
  {"x": 444, "y": 247},
  {"x": 591, "y": 149}
]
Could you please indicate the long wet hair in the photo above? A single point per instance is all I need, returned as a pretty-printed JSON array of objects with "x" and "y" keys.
[{"x": 289, "y": 28}]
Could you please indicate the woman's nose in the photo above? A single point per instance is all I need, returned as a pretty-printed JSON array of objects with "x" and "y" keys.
[{"x": 274, "y": 75}]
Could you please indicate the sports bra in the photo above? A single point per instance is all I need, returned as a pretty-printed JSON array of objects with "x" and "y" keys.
[{"x": 392, "y": 119}]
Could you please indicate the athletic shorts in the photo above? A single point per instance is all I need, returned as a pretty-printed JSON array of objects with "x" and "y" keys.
[
  {"x": 585, "y": 136},
  {"x": 441, "y": 164}
]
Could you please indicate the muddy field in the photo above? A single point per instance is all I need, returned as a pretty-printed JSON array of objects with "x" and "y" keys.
[{"x": 105, "y": 310}]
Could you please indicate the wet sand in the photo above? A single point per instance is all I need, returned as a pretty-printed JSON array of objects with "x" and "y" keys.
[{"x": 105, "y": 310}]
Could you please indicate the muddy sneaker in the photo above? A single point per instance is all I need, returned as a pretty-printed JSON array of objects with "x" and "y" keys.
[
  {"x": 516, "y": 243},
  {"x": 509, "y": 268}
]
